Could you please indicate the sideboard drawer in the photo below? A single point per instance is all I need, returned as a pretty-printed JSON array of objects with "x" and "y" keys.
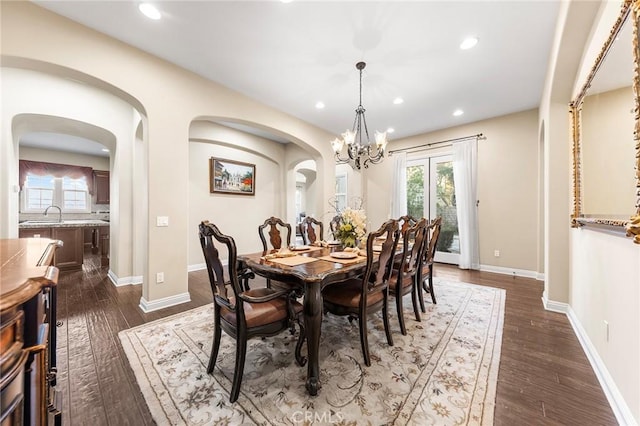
[{"x": 12, "y": 393}]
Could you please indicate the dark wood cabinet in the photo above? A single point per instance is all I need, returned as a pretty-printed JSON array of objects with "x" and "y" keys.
[
  {"x": 28, "y": 332},
  {"x": 101, "y": 186},
  {"x": 68, "y": 257}
]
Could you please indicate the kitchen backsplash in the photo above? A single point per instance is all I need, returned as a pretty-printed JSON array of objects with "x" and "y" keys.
[{"x": 100, "y": 212}]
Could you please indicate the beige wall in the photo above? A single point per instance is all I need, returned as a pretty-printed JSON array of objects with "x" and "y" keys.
[
  {"x": 168, "y": 99},
  {"x": 608, "y": 158},
  {"x": 235, "y": 215},
  {"x": 60, "y": 157},
  {"x": 507, "y": 187},
  {"x": 605, "y": 268},
  {"x": 591, "y": 275}
]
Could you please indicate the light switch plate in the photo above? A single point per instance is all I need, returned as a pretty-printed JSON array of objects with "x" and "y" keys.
[{"x": 162, "y": 221}]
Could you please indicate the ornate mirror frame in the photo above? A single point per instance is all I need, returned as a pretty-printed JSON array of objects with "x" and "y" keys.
[{"x": 630, "y": 10}]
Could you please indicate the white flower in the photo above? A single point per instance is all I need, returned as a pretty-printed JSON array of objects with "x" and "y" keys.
[{"x": 357, "y": 219}]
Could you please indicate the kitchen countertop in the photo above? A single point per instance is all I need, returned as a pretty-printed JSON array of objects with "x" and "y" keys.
[{"x": 70, "y": 223}]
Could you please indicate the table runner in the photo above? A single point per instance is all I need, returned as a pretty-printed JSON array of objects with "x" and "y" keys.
[{"x": 293, "y": 260}]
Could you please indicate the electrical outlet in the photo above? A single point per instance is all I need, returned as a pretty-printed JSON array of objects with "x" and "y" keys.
[
  {"x": 160, "y": 277},
  {"x": 496, "y": 253}
]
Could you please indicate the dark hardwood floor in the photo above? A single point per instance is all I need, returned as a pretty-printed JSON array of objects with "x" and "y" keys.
[{"x": 544, "y": 377}]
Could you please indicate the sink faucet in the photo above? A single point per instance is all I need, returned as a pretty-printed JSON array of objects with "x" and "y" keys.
[{"x": 59, "y": 212}]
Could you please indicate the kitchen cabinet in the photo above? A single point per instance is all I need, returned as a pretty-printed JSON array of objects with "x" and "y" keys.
[
  {"x": 101, "y": 186},
  {"x": 68, "y": 257}
]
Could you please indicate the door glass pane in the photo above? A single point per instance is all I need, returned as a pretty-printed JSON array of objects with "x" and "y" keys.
[
  {"x": 446, "y": 208},
  {"x": 415, "y": 191}
]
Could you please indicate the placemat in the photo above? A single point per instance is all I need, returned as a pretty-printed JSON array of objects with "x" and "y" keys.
[
  {"x": 293, "y": 260},
  {"x": 345, "y": 261}
]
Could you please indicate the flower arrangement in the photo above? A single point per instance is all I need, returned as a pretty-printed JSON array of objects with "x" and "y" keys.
[{"x": 352, "y": 227}]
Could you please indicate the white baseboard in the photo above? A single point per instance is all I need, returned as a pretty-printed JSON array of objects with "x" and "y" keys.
[
  {"x": 540, "y": 276},
  {"x": 119, "y": 282},
  {"x": 618, "y": 405},
  {"x": 196, "y": 267},
  {"x": 553, "y": 306},
  {"x": 616, "y": 401},
  {"x": 511, "y": 271},
  {"x": 165, "y": 302}
]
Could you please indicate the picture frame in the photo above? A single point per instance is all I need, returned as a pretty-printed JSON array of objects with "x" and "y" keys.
[{"x": 231, "y": 177}]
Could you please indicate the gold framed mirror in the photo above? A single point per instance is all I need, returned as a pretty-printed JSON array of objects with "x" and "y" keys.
[{"x": 605, "y": 118}]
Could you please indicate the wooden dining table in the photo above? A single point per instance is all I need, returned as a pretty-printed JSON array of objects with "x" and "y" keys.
[{"x": 311, "y": 277}]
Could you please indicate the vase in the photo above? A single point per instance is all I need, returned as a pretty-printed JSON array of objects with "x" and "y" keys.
[{"x": 349, "y": 241}]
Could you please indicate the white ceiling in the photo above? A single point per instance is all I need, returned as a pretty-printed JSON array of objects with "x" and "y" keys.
[{"x": 292, "y": 55}]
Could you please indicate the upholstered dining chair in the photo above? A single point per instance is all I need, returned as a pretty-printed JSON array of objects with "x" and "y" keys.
[
  {"x": 335, "y": 223},
  {"x": 276, "y": 227},
  {"x": 244, "y": 314},
  {"x": 360, "y": 297},
  {"x": 311, "y": 230},
  {"x": 424, "y": 278},
  {"x": 405, "y": 222},
  {"x": 403, "y": 278}
]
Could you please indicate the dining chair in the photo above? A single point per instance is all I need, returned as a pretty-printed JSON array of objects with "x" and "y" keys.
[
  {"x": 405, "y": 222},
  {"x": 335, "y": 223},
  {"x": 244, "y": 314},
  {"x": 424, "y": 279},
  {"x": 276, "y": 227},
  {"x": 311, "y": 230},
  {"x": 360, "y": 297},
  {"x": 403, "y": 278}
]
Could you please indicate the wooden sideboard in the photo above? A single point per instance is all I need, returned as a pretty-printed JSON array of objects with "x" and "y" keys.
[{"x": 28, "y": 282}]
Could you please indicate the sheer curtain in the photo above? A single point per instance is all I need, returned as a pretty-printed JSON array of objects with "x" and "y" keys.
[
  {"x": 399, "y": 185},
  {"x": 465, "y": 166}
]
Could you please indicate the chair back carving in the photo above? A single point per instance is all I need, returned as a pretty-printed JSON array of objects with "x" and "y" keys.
[
  {"x": 404, "y": 222},
  {"x": 220, "y": 286},
  {"x": 377, "y": 274},
  {"x": 413, "y": 255},
  {"x": 276, "y": 227},
  {"x": 335, "y": 223},
  {"x": 308, "y": 231},
  {"x": 434, "y": 231}
]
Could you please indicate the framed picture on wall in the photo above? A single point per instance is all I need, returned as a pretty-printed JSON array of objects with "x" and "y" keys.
[{"x": 231, "y": 177}]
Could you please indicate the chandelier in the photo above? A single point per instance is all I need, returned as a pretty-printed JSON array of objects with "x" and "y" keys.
[{"x": 360, "y": 150}]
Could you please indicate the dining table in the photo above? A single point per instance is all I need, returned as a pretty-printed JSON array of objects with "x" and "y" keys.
[{"x": 310, "y": 269}]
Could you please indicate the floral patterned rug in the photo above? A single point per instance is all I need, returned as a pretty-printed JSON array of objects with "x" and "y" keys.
[{"x": 443, "y": 372}]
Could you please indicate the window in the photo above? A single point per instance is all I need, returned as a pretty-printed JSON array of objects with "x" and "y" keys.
[
  {"x": 341, "y": 192},
  {"x": 40, "y": 192}
]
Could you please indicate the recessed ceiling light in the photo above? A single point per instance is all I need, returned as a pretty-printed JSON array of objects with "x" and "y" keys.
[
  {"x": 398, "y": 101},
  {"x": 105, "y": 150},
  {"x": 458, "y": 113},
  {"x": 150, "y": 11},
  {"x": 391, "y": 130},
  {"x": 468, "y": 43},
  {"x": 320, "y": 105}
]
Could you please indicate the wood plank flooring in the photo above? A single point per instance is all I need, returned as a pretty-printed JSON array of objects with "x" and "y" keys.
[{"x": 544, "y": 377}]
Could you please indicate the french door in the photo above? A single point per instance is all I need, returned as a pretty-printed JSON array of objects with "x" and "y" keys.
[{"x": 430, "y": 193}]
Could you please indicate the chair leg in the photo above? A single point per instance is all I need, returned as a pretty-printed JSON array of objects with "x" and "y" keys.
[
  {"x": 399, "y": 309},
  {"x": 414, "y": 300},
  {"x": 364, "y": 342},
  {"x": 433, "y": 294},
  {"x": 385, "y": 319},
  {"x": 241, "y": 352},
  {"x": 217, "y": 332},
  {"x": 420, "y": 293}
]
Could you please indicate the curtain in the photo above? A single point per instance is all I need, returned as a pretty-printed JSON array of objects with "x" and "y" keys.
[
  {"x": 465, "y": 166},
  {"x": 399, "y": 188},
  {"x": 41, "y": 168}
]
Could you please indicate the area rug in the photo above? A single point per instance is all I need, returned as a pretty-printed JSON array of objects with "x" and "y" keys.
[{"x": 444, "y": 371}]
